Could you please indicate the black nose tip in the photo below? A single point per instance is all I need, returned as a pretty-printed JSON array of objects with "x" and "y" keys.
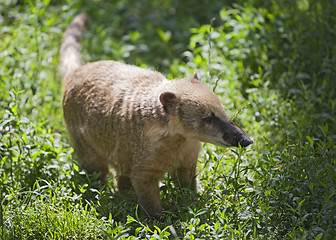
[{"x": 245, "y": 142}]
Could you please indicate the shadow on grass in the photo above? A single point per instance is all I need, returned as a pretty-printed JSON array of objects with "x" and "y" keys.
[{"x": 178, "y": 203}]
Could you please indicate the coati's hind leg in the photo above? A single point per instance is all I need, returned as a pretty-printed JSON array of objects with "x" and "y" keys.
[
  {"x": 124, "y": 184},
  {"x": 90, "y": 160},
  {"x": 95, "y": 165},
  {"x": 146, "y": 186}
]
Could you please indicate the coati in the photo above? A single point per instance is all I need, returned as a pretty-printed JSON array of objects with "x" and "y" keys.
[{"x": 138, "y": 122}]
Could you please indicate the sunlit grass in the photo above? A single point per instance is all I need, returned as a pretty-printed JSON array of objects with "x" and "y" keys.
[{"x": 273, "y": 64}]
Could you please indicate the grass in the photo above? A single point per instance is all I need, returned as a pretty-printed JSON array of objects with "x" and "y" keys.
[{"x": 272, "y": 64}]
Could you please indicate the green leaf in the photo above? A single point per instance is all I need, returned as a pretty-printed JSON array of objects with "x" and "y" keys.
[
  {"x": 24, "y": 120},
  {"x": 311, "y": 141},
  {"x": 165, "y": 36}
]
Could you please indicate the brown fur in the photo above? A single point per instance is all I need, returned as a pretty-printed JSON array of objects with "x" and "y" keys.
[{"x": 139, "y": 123}]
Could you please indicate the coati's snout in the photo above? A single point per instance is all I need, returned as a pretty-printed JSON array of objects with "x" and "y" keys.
[
  {"x": 234, "y": 136},
  {"x": 222, "y": 131},
  {"x": 246, "y": 141}
]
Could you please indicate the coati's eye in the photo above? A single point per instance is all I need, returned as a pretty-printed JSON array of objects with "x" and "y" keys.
[{"x": 210, "y": 119}]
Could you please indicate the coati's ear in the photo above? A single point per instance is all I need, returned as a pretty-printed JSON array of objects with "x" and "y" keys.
[
  {"x": 197, "y": 76},
  {"x": 168, "y": 99}
]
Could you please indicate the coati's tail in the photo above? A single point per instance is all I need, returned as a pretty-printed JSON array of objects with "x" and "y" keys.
[{"x": 70, "y": 58}]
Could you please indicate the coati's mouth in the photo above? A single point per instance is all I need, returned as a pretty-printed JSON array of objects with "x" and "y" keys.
[
  {"x": 218, "y": 142},
  {"x": 243, "y": 143},
  {"x": 225, "y": 144}
]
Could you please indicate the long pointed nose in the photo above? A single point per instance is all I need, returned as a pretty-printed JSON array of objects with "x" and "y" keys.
[{"x": 245, "y": 142}]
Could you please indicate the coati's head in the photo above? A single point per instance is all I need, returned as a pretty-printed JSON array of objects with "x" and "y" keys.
[{"x": 199, "y": 114}]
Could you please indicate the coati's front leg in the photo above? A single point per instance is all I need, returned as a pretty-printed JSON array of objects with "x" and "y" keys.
[
  {"x": 185, "y": 176},
  {"x": 185, "y": 173},
  {"x": 146, "y": 187}
]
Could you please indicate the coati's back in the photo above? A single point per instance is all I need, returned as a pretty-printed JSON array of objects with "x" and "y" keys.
[{"x": 109, "y": 94}]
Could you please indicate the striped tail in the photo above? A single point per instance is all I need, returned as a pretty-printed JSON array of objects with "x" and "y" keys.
[{"x": 70, "y": 58}]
